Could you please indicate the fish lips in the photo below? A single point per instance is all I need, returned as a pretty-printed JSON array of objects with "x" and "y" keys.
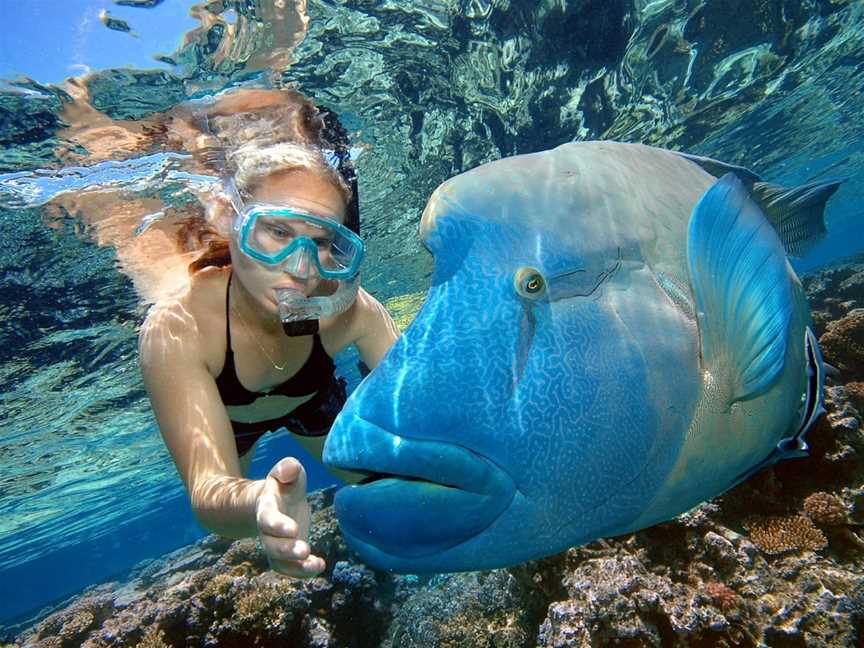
[{"x": 422, "y": 497}]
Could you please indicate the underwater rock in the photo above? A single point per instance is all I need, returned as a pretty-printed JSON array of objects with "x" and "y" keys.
[
  {"x": 220, "y": 593},
  {"x": 834, "y": 291},
  {"x": 855, "y": 391},
  {"x": 843, "y": 344},
  {"x": 618, "y": 599},
  {"x": 471, "y": 609}
]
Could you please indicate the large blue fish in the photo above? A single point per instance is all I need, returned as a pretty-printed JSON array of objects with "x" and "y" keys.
[{"x": 613, "y": 334}]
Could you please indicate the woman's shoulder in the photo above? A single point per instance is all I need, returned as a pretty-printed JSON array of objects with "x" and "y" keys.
[
  {"x": 207, "y": 291},
  {"x": 365, "y": 315},
  {"x": 190, "y": 318}
]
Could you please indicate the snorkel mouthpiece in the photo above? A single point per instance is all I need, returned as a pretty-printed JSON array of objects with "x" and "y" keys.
[
  {"x": 300, "y": 314},
  {"x": 299, "y": 329}
]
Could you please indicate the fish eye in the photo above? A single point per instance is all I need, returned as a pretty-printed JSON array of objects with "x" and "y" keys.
[{"x": 530, "y": 283}]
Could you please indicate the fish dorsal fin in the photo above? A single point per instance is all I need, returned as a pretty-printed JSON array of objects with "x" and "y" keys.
[
  {"x": 718, "y": 169},
  {"x": 742, "y": 286},
  {"x": 797, "y": 214}
]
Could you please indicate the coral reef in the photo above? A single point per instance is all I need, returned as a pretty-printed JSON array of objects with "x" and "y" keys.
[
  {"x": 776, "y": 535},
  {"x": 843, "y": 343},
  {"x": 778, "y": 561},
  {"x": 825, "y": 509}
]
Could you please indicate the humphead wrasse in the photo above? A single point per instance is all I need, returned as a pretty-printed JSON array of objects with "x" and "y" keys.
[{"x": 613, "y": 335}]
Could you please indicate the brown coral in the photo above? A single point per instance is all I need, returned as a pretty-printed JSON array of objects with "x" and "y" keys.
[
  {"x": 245, "y": 551},
  {"x": 154, "y": 638},
  {"x": 781, "y": 534},
  {"x": 722, "y": 596},
  {"x": 262, "y": 601},
  {"x": 825, "y": 509},
  {"x": 855, "y": 391},
  {"x": 842, "y": 344}
]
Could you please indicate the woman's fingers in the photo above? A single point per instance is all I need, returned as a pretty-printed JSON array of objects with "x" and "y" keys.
[
  {"x": 284, "y": 548},
  {"x": 291, "y": 557},
  {"x": 282, "y": 509},
  {"x": 289, "y": 479},
  {"x": 283, "y": 521},
  {"x": 308, "y": 568},
  {"x": 272, "y": 521},
  {"x": 287, "y": 470}
]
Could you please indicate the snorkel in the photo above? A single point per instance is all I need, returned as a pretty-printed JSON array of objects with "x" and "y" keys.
[{"x": 300, "y": 314}]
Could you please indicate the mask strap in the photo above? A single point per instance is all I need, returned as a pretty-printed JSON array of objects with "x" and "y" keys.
[{"x": 230, "y": 190}]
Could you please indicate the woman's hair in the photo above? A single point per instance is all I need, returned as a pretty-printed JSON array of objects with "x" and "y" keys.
[
  {"x": 196, "y": 233},
  {"x": 251, "y": 163},
  {"x": 248, "y": 135}
]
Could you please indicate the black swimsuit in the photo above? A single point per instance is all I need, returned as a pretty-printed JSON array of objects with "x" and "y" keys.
[{"x": 316, "y": 377}]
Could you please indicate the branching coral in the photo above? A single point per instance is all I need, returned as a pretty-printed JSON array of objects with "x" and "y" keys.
[
  {"x": 269, "y": 605},
  {"x": 781, "y": 534},
  {"x": 154, "y": 638},
  {"x": 825, "y": 509}
]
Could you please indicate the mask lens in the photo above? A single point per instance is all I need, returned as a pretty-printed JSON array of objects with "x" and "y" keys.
[
  {"x": 273, "y": 236},
  {"x": 338, "y": 254}
]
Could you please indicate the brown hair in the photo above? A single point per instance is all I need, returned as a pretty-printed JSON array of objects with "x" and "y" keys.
[
  {"x": 196, "y": 233},
  {"x": 249, "y": 134}
]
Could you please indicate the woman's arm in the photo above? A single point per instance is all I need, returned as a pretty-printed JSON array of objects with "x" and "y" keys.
[
  {"x": 194, "y": 423},
  {"x": 374, "y": 331},
  {"x": 197, "y": 431}
]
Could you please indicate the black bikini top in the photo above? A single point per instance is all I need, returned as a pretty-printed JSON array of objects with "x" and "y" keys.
[{"x": 317, "y": 372}]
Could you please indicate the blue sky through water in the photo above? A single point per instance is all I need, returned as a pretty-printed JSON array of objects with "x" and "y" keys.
[{"x": 49, "y": 40}]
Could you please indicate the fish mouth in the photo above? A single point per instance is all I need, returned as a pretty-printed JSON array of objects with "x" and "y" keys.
[{"x": 418, "y": 498}]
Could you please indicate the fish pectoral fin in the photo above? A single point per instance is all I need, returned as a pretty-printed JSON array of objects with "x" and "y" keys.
[{"x": 743, "y": 288}]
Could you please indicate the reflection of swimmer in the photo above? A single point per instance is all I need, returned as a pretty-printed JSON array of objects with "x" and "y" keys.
[{"x": 248, "y": 346}]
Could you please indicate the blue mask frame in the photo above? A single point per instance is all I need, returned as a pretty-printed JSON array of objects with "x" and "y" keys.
[{"x": 251, "y": 214}]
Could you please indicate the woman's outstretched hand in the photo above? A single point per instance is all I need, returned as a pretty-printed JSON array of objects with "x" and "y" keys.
[{"x": 282, "y": 514}]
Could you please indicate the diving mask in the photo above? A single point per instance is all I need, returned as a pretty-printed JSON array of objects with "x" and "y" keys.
[
  {"x": 302, "y": 245},
  {"x": 299, "y": 243}
]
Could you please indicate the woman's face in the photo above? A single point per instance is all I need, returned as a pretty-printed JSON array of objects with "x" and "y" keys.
[{"x": 306, "y": 191}]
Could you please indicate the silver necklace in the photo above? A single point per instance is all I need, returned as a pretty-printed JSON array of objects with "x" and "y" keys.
[{"x": 260, "y": 346}]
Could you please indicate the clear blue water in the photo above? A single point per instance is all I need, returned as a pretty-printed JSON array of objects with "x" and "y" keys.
[{"x": 430, "y": 89}]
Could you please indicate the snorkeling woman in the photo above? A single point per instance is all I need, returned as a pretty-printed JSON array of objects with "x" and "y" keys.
[{"x": 248, "y": 346}]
